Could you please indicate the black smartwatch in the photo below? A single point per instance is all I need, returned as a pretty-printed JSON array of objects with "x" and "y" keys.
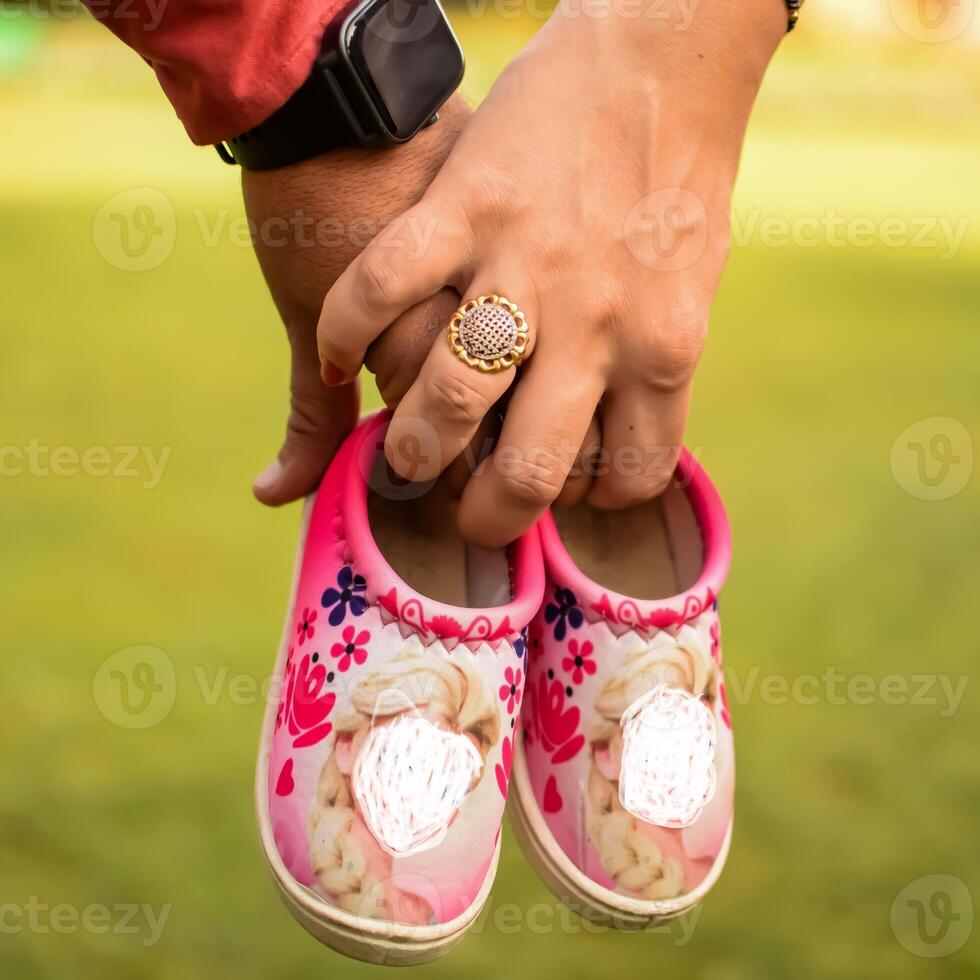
[{"x": 384, "y": 69}]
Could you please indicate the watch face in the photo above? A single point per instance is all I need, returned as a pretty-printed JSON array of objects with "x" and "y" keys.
[{"x": 408, "y": 59}]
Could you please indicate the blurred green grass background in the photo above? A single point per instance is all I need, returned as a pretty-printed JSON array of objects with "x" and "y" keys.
[{"x": 818, "y": 359}]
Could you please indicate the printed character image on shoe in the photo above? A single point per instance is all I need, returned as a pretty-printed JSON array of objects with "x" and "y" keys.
[
  {"x": 405, "y": 757},
  {"x": 623, "y": 778}
]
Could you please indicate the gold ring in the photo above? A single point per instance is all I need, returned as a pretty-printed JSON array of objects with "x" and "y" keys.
[{"x": 489, "y": 333}]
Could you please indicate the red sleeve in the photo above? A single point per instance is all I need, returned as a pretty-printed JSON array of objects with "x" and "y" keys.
[{"x": 225, "y": 65}]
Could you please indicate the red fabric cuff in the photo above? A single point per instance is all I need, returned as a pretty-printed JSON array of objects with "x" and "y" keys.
[{"x": 225, "y": 65}]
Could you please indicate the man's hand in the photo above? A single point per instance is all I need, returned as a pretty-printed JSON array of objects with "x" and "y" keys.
[{"x": 311, "y": 221}]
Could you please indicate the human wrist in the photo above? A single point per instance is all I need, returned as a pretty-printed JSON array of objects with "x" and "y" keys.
[
  {"x": 698, "y": 78},
  {"x": 726, "y": 44},
  {"x": 355, "y": 175},
  {"x": 743, "y": 32},
  {"x": 332, "y": 205}
]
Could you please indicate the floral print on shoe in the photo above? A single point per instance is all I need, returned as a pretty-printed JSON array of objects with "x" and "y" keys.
[
  {"x": 385, "y": 762},
  {"x": 624, "y": 769}
]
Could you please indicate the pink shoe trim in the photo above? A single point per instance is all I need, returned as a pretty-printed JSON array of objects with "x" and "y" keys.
[
  {"x": 432, "y": 620},
  {"x": 603, "y": 604}
]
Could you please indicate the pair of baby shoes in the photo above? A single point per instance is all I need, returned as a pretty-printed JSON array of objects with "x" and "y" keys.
[{"x": 423, "y": 681}]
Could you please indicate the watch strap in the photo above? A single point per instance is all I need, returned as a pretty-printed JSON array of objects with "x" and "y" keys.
[
  {"x": 793, "y": 13},
  {"x": 316, "y": 119}
]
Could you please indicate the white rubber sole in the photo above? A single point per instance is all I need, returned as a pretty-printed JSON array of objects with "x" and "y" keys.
[
  {"x": 369, "y": 940},
  {"x": 574, "y": 888}
]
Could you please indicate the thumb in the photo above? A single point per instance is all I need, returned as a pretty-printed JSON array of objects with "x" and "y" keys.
[{"x": 319, "y": 420}]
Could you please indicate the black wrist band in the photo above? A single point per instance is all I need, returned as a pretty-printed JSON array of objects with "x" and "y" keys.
[
  {"x": 287, "y": 136},
  {"x": 384, "y": 69}
]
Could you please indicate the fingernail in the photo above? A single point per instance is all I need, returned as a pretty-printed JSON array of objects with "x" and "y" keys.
[
  {"x": 332, "y": 375},
  {"x": 268, "y": 478}
]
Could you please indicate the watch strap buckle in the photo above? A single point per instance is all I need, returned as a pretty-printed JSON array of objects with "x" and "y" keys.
[{"x": 226, "y": 154}]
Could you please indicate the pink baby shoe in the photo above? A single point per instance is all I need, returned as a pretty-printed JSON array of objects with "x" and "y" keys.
[
  {"x": 624, "y": 769},
  {"x": 384, "y": 765}
]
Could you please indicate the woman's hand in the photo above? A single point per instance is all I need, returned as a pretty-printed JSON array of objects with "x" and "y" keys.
[
  {"x": 591, "y": 188},
  {"x": 310, "y": 221}
]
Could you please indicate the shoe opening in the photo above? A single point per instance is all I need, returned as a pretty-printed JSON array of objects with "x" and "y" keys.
[
  {"x": 652, "y": 551},
  {"x": 414, "y": 527}
]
